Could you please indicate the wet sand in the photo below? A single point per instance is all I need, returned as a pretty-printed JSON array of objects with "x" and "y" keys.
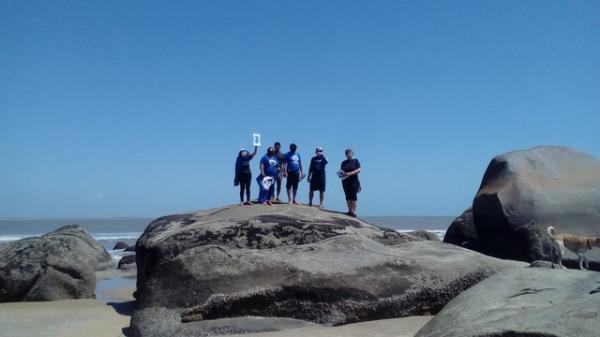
[
  {"x": 395, "y": 327},
  {"x": 68, "y": 318},
  {"x": 109, "y": 315}
]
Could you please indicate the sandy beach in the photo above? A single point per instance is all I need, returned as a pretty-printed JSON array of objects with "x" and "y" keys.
[
  {"x": 68, "y": 318},
  {"x": 106, "y": 316},
  {"x": 75, "y": 318}
]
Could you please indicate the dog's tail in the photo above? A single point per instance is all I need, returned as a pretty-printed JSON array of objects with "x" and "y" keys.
[{"x": 551, "y": 231}]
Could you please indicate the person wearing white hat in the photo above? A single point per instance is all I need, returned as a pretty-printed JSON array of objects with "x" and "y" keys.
[
  {"x": 243, "y": 174},
  {"x": 316, "y": 176}
]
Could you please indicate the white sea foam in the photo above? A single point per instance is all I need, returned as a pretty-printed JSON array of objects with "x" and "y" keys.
[
  {"x": 439, "y": 232},
  {"x": 15, "y": 237},
  {"x": 96, "y": 236}
]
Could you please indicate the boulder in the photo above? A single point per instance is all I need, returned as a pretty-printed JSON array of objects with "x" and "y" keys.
[
  {"x": 462, "y": 232},
  {"x": 120, "y": 245},
  {"x": 127, "y": 262},
  {"x": 524, "y": 192},
  {"x": 291, "y": 262},
  {"x": 425, "y": 235},
  {"x": 536, "y": 302},
  {"x": 58, "y": 265}
]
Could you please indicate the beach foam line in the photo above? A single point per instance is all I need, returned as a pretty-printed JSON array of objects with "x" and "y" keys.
[
  {"x": 439, "y": 232},
  {"x": 116, "y": 235},
  {"x": 96, "y": 236},
  {"x": 15, "y": 237}
]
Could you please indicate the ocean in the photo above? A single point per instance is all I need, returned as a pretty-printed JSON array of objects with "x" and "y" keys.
[{"x": 108, "y": 231}]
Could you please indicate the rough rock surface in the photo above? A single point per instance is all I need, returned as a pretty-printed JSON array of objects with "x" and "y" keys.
[
  {"x": 54, "y": 266},
  {"x": 462, "y": 232},
  {"x": 526, "y": 302},
  {"x": 425, "y": 235},
  {"x": 291, "y": 261},
  {"x": 524, "y": 192}
]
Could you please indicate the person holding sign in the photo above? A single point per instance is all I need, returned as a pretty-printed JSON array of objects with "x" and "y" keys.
[
  {"x": 268, "y": 171},
  {"x": 316, "y": 176},
  {"x": 292, "y": 169},
  {"x": 349, "y": 171},
  {"x": 243, "y": 174}
]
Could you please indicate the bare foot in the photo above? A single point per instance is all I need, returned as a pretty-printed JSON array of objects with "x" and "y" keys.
[
  {"x": 290, "y": 202},
  {"x": 320, "y": 206},
  {"x": 269, "y": 203},
  {"x": 296, "y": 203}
]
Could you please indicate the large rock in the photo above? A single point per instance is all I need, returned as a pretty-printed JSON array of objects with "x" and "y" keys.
[
  {"x": 524, "y": 192},
  {"x": 294, "y": 262},
  {"x": 462, "y": 232},
  {"x": 54, "y": 266},
  {"x": 524, "y": 302}
]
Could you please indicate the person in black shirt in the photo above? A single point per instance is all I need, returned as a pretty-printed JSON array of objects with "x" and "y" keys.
[
  {"x": 243, "y": 174},
  {"x": 349, "y": 171},
  {"x": 316, "y": 176}
]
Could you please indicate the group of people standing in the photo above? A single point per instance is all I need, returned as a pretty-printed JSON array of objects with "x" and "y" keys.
[{"x": 275, "y": 166}]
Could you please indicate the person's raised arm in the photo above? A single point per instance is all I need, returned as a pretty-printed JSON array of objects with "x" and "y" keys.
[{"x": 255, "y": 150}]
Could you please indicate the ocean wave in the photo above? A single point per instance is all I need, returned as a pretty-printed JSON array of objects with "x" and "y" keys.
[
  {"x": 439, "y": 232},
  {"x": 116, "y": 236},
  {"x": 96, "y": 236}
]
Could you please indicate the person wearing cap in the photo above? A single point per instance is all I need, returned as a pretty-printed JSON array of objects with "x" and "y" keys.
[
  {"x": 349, "y": 171},
  {"x": 280, "y": 156},
  {"x": 243, "y": 173},
  {"x": 292, "y": 169},
  {"x": 316, "y": 176}
]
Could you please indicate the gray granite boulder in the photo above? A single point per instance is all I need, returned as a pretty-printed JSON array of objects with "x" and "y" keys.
[
  {"x": 127, "y": 262},
  {"x": 462, "y": 232},
  {"x": 524, "y": 192},
  {"x": 294, "y": 262},
  {"x": 58, "y": 265},
  {"x": 526, "y": 302}
]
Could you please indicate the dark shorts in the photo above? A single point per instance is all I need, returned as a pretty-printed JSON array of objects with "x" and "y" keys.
[
  {"x": 351, "y": 191},
  {"x": 317, "y": 183},
  {"x": 293, "y": 178}
]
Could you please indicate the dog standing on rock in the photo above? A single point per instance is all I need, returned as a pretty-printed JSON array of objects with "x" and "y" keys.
[{"x": 577, "y": 244}]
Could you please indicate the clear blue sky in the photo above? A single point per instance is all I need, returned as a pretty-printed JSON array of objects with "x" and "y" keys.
[{"x": 115, "y": 108}]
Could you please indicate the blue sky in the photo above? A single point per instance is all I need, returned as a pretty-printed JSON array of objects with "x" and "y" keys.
[{"x": 114, "y": 108}]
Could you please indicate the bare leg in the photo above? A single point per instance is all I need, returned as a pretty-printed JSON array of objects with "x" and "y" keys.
[
  {"x": 321, "y": 198},
  {"x": 311, "y": 194},
  {"x": 294, "y": 193},
  {"x": 349, "y": 203},
  {"x": 289, "y": 193}
]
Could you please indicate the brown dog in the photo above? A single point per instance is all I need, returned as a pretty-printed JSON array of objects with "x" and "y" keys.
[{"x": 577, "y": 244}]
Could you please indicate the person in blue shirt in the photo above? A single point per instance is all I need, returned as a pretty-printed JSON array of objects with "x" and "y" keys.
[
  {"x": 280, "y": 156},
  {"x": 316, "y": 176},
  {"x": 293, "y": 171},
  {"x": 268, "y": 169},
  {"x": 243, "y": 174}
]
